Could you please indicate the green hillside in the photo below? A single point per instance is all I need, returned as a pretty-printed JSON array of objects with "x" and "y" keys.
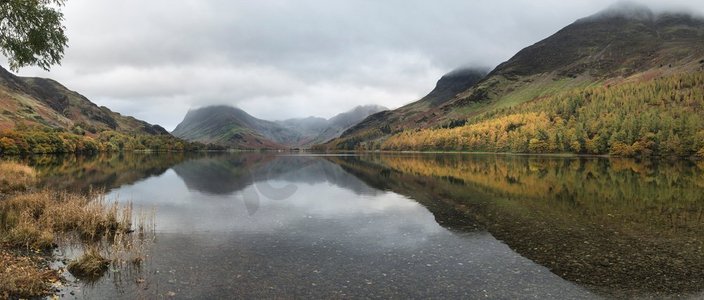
[
  {"x": 45, "y": 103},
  {"x": 39, "y": 115}
]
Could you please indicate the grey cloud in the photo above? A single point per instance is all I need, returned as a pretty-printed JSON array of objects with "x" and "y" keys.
[{"x": 280, "y": 59}]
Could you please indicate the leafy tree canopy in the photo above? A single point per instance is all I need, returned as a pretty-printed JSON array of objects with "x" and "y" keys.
[{"x": 31, "y": 32}]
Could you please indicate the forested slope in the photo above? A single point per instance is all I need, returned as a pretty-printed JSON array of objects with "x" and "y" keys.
[{"x": 642, "y": 117}]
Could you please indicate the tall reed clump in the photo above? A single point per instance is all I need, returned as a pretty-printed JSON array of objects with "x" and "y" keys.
[
  {"x": 35, "y": 220},
  {"x": 120, "y": 250},
  {"x": 92, "y": 264}
]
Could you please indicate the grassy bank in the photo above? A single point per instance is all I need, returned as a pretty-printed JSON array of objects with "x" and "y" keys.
[{"x": 33, "y": 222}]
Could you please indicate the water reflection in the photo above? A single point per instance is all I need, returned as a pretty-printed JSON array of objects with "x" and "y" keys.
[
  {"x": 410, "y": 225},
  {"x": 215, "y": 188},
  {"x": 225, "y": 174},
  {"x": 336, "y": 235},
  {"x": 618, "y": 226},
  {"x": 79, "y": 173}
]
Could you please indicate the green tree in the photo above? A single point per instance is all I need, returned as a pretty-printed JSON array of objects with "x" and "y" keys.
[{"x": 31, "y": 32}]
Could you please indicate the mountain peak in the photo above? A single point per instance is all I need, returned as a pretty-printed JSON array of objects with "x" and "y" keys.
[
  {"x": 623, "y": 39},
  {"x": 214, "y": 108},
  {"x": 368, "y": 107},
  {"x": 453, "y": 83},
  {"x": 466, "y": 71},
  {"x": 625, "y": 9}
]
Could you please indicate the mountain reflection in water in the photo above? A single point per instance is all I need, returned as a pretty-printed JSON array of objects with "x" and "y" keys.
[{"x": 613, "y": 227}]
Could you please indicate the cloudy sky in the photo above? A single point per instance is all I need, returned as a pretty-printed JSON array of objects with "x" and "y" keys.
[{"x": 280, "y": 59}]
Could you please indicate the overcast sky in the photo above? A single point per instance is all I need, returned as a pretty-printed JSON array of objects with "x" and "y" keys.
[{"x": 281, "y": 59}]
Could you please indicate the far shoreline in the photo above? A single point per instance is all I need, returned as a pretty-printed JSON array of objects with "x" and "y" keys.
[{"x": 361, "y": 152}]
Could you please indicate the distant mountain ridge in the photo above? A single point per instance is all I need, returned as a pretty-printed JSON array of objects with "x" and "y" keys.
[
  {"x": 233, "y": 127},
  {"x": 31, "y": 101},
  {"x": 322, "y": 130}
]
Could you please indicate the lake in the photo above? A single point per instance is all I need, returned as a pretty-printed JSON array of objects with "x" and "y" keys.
[{"x": 274, "y": 225}]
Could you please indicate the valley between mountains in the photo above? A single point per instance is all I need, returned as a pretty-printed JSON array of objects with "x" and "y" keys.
[
  {"x": 570, "y": 166},
  {"x": 626, "y": 81}
]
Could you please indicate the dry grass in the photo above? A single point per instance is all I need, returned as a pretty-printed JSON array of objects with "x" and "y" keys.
[
  {"x": 15, "y": 177},
  {"x": 34, "y": 222},
  {"x": 23, "y": 277},
  {"x": 91, "y": 265}
]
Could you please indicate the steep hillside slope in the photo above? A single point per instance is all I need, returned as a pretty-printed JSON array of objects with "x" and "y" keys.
[
  {"x": 652, "y": 117},
  {"x": 413, "y": 115},
  {"x": 624, "y": 43},
  {"x": 44, "y": 102}
]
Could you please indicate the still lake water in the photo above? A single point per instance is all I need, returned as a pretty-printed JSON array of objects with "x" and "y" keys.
[{"x": 402, "y": 225}]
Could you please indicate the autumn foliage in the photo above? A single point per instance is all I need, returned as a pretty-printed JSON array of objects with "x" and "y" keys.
[
  {"x": 658, "y": 117},
  {"x": 43, "y": 141}
]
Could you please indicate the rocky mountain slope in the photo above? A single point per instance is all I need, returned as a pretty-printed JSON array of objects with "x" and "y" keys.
[
  {"x": 226, "y": 125},
  {"x": 624, "y": 43},
  {"x": 45, "y": 103}
]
